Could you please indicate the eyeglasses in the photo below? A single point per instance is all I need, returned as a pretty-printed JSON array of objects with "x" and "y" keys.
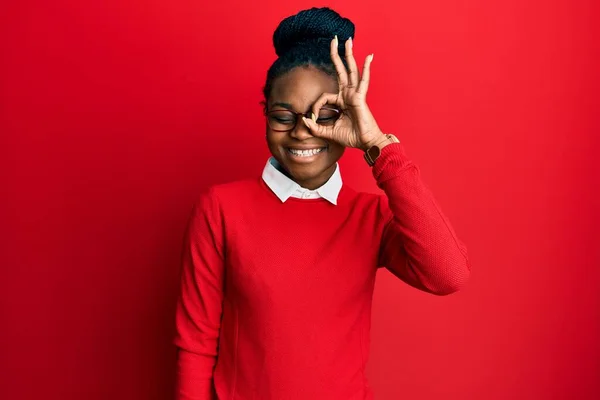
[{"x": 286, "y": 120}]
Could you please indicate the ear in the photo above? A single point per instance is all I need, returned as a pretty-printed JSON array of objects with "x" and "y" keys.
[{"x": 263, "y": 103}]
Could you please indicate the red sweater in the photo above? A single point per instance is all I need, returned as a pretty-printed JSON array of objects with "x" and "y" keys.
[{"x": 276, "y": 297}]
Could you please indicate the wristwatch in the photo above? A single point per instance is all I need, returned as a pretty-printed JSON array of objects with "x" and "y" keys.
[{"x": 373, "y": 152}]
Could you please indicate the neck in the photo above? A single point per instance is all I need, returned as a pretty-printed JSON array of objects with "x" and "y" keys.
[{"x": 317, "y": 181}]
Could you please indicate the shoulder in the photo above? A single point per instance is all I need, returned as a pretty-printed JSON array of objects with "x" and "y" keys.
[
  {"x": 359, "y": 197},
  {"x": 233, "y": 190},
  {"x": 223, "y": 194},
  {"x": 367, "y": 202}
]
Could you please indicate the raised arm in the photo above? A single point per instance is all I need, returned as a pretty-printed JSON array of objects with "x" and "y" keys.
[{"x": 419, "y": 245}]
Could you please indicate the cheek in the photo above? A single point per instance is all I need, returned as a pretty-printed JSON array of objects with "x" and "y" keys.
[
  {"x": 336, "y": 151},
  {"x": 274, "y": 145},
  {"x": 271, "y": 140}
]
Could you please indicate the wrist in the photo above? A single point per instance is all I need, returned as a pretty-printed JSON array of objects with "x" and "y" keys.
[
  {"x": 379, "y": 139},
  {"x": 375, "y": 147}
]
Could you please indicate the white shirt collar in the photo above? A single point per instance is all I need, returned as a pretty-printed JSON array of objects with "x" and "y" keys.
[{"x": 284, "y": 187}]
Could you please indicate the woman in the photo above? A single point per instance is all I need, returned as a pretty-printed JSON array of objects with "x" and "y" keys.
[{"x": 278, "y": 272}]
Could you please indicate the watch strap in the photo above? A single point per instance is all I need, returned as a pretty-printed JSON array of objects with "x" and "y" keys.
[{"x": 373, "y": 152}]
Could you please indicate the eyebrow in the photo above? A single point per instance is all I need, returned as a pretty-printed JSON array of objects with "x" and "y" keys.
[{"x": 284, "y": 105}]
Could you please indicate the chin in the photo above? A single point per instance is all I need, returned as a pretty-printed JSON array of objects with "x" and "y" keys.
[
  {"x": 305, "y": 174},
  {"x": 308, "y": 172}
]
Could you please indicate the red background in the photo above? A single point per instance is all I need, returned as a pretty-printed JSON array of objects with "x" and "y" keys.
[{"x": 114, "y": 115}]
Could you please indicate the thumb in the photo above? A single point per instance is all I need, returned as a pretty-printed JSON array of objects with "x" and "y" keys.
[{"x": 316, "y": 129}]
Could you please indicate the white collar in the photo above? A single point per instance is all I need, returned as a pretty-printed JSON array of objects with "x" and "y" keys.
[{"x": 284, "y": 187}]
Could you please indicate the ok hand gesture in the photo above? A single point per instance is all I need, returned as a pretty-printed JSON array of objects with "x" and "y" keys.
[{"x": 356, "y": 127}]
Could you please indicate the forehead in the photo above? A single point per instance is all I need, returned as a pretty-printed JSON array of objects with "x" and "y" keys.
[{"x": 301, "y": 87}]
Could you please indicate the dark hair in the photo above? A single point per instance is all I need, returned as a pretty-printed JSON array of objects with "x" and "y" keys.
[{"x": 304, "y": 39}]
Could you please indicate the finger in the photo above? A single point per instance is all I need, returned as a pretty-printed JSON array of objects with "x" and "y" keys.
[
  {"x": 363, "y": 86},
  {"x": 320, "y": 131},
  {"x": 353, "y": 75},
  {"x": 327, "y": 98},
  {"x": 339, "y": 65}
]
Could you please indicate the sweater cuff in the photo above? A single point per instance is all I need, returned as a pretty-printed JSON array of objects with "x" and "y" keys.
[{"x": 390, "y": 162}]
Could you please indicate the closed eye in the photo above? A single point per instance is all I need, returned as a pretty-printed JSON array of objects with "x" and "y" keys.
[{"x": 283, "y": 120}]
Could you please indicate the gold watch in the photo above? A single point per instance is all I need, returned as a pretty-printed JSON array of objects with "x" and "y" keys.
[{"x": 373, "y": 152}]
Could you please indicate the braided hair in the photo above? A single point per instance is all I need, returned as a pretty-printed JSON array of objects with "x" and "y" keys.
[{"x": 303, "y": 39}]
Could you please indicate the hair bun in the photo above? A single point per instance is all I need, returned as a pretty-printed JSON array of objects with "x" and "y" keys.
[{"x": 315, "y": 26}]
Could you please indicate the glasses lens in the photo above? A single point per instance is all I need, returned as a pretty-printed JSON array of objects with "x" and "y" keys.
[
  {"x": 328, "y": 116},
  {"x": 285, "y": 120},
  {"x": 281, "y": 120}
]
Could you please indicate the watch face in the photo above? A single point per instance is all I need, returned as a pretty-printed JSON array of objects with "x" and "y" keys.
[{"x": 374, "y": 152}]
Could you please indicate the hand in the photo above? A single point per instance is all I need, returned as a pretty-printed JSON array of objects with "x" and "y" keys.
[{"x": 356, "y": 127}]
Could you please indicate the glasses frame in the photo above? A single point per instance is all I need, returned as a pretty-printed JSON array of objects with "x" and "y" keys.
[{"x": 297, "y": 115}]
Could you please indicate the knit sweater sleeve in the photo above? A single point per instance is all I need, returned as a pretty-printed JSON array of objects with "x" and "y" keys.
[
  {"x": 200, "y": 303},
  {"x": 418, "y": 244}
]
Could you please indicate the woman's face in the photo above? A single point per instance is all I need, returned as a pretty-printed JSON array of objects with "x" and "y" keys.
[{"x": 298, "y": 90}]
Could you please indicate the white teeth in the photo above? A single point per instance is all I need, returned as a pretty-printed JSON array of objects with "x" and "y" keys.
[{"x": 305, "y": 153}]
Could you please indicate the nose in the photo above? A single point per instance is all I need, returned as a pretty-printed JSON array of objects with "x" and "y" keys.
[{"x": 300, "y": 131}]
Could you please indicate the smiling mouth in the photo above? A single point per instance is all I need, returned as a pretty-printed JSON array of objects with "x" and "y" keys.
[{"x": 306, "y": 153}]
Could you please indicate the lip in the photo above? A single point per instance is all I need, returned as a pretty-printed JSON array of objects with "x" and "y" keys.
[{"x": 306, "y": 147}]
